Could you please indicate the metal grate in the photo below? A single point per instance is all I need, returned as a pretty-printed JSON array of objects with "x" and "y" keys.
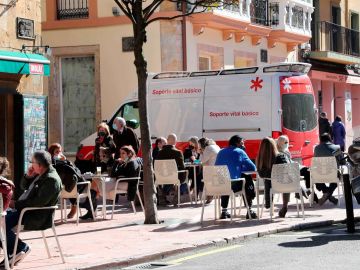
[
  {"x": 153, "y": 265},
  {"x": 72, "y": 9}
]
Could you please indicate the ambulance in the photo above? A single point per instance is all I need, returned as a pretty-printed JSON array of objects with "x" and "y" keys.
[{"x": 253, "y": 102}]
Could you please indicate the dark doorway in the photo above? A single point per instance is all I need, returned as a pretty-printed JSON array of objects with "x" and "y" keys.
[{"x": 3, "y": 127}]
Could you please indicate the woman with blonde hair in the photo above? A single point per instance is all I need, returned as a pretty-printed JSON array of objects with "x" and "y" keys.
[
  {"x": 104, "y": 148},
  {"x": 267, "y": 157}
]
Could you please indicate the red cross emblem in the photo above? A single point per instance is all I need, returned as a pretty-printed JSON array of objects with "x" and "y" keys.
[{"x": 256, "y": 84}]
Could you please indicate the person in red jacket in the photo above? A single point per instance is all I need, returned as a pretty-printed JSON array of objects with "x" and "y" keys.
[{"x": 6, "y": 186}]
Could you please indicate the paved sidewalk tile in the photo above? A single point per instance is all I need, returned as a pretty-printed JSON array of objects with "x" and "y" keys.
[{"x": 125, "y": 238}]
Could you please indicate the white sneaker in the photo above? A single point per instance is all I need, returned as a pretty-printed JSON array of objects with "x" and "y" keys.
[{"x": 21, "y": 255}]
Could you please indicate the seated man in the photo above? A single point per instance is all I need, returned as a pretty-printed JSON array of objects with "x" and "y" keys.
[
  {"x": 327, "y": 149},
  {"x": 43, "y": 191},
  {"x": 237, "y": 161},
  {"x": 169, "y": 151}
]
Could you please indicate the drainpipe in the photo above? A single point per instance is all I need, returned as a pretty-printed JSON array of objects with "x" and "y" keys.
[
  {"x": 347, "y": 13},
  {"x": 183, "y": 36}
]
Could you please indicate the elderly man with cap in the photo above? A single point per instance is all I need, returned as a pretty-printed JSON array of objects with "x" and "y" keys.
[{"x": 124, "y": 135}]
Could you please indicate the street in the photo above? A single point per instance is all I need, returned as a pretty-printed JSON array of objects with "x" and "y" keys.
[{"x": 332, "y": 246}]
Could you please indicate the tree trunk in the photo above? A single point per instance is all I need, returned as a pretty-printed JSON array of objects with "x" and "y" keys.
[{"x": 151, "y": 216}]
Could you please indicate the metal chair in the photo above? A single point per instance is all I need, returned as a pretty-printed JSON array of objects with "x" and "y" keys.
[
  {"x": 167, "y": 173},
  {"x": 285, "y": 178},
  {"x": 75, "y": 195},
  {"x": 3, "y": 233},
  {"x": 323, "y": 170},
  {"x": 19, "y": 228},
  {"x": 217, "y": 183}
]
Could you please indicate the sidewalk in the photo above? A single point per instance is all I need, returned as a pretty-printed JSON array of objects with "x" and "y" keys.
[{"x": 123, "y": 240}]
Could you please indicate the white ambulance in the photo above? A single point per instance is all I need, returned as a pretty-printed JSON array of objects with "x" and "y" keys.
[{"x": 252, "y": 102}]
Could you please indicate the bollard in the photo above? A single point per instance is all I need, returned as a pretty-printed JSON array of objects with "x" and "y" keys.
[{"x": 350, "y": 221}]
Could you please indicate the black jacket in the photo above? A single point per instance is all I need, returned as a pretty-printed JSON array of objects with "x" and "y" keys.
[
  {"x": 127, "y": 137},
  {"x": 324, "y": 126},
  {"x": 170, "y": 152},
  {"x": 127, "y": 170},
  {"x": 280, "y": 159}
]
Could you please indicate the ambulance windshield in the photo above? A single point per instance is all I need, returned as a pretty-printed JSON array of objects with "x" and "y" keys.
[{"x": 298, "y": 112}]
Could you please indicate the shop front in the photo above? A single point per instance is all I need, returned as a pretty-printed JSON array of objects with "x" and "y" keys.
[
  {"x": 23, "y": 108},
  {"x": 339, "y": 94}
]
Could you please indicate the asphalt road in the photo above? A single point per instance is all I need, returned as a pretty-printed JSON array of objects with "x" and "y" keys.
[{"x": 326, "y": 248}]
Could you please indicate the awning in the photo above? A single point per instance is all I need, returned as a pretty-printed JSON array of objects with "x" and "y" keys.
[{"x": 24, "y": 63}]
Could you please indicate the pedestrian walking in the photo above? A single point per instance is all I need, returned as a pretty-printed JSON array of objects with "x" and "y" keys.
[
  {"x": 338, "y": 131},
  {"x": 324, "y": 124}
]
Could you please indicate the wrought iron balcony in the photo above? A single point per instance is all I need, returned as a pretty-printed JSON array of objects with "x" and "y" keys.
[
  {"x": 72, "y": 9},
  {"x": 331, "y": 37},
  {"x": 264, "y": 13}
]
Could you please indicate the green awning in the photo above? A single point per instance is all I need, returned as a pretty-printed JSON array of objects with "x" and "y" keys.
[{"x": 24, "y": 63}]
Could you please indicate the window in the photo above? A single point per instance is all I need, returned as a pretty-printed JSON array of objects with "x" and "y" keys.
[
  {"x": 298, "y": 112},
  {"x": 204, "y": 63},
  {"x": 72, "y": 9},
  {"x": 130, "y": 112}
]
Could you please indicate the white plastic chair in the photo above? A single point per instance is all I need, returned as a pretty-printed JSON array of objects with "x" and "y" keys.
[
  {"x": 3, "y": 233},
  {"x": 64, "y": 195},
  {"x": 285, "y": 178},
  {"x": 116, "y": 191},
  {"x": 19, "y": 228},
  {"x": 217, "y": 183},
  {"x": 323, "y": 170},
  {"x": 166, "y": 173}
]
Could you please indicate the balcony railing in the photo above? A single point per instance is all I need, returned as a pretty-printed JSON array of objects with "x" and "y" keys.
[
  {"x": 261, "y": 12},
  {"x": 335, "y": 38},
  {"x": 72, "y": 9}
]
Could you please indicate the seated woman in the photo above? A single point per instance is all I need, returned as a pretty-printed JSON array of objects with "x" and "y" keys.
[
  {"x": 6, "y": 186},
  {"x": 126, "y": 166},
  {"x": 159, "y": 143},
  {"x": 208, "y": 153},
  {"x": 56, "y": 152},
  {"x": 282, "y": 144},
  {"x": 69, "y": 174},
  {"x": 192, "y": 152},
  {"x": 268, "y": 156}
]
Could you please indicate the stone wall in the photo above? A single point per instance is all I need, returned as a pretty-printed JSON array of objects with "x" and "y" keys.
[{"x": 29, "y": 9}]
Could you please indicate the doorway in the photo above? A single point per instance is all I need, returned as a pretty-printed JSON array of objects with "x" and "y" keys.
[{"x": 3, "y": 125}]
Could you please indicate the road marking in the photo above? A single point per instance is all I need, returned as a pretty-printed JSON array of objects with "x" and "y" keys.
[{"x": 206, "y": 253}]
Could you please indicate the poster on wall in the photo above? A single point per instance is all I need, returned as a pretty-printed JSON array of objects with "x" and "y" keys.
[
  {"x": 348, "y": 108},
  {"x": 35, "y": 126}
]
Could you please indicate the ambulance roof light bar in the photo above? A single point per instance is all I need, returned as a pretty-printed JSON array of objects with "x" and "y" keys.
[
  {"x": 174, "y": 74},
  {"x": 288, "y": 67}
]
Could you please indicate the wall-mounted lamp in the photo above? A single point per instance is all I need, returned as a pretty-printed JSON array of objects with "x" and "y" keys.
[{"x": 116, "y": 11}]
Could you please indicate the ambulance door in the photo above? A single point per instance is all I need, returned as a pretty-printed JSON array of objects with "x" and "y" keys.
[
  {"x": 238, "y": 104},
  {"x": 176, "y": 106}
]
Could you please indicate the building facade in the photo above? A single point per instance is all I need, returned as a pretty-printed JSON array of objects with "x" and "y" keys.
[
  {"x": 335, "y": 58},
  {"x": 92, "y": 58},
  {"x": 22, "y": 71}
]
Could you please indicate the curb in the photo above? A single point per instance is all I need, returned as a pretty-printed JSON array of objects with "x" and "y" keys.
[{"x": 213, "y": 243}]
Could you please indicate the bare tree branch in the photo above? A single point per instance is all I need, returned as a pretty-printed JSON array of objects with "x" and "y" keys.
[
  {"x": 191, "y": 12},
  {"x": 124, "y": 6},
  {"x": 149, "y": 10}
]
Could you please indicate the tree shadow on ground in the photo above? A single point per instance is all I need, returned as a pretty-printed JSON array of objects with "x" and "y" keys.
[{"x": 325, "y": 237}]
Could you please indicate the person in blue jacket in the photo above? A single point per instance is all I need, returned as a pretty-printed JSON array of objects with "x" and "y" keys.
[
  {"x": 338, "y": 132},
  {"x": 237, "y": 162}
]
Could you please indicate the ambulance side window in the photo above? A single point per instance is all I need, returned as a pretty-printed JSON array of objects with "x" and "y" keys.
[{"x": 130, "y": 112}]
